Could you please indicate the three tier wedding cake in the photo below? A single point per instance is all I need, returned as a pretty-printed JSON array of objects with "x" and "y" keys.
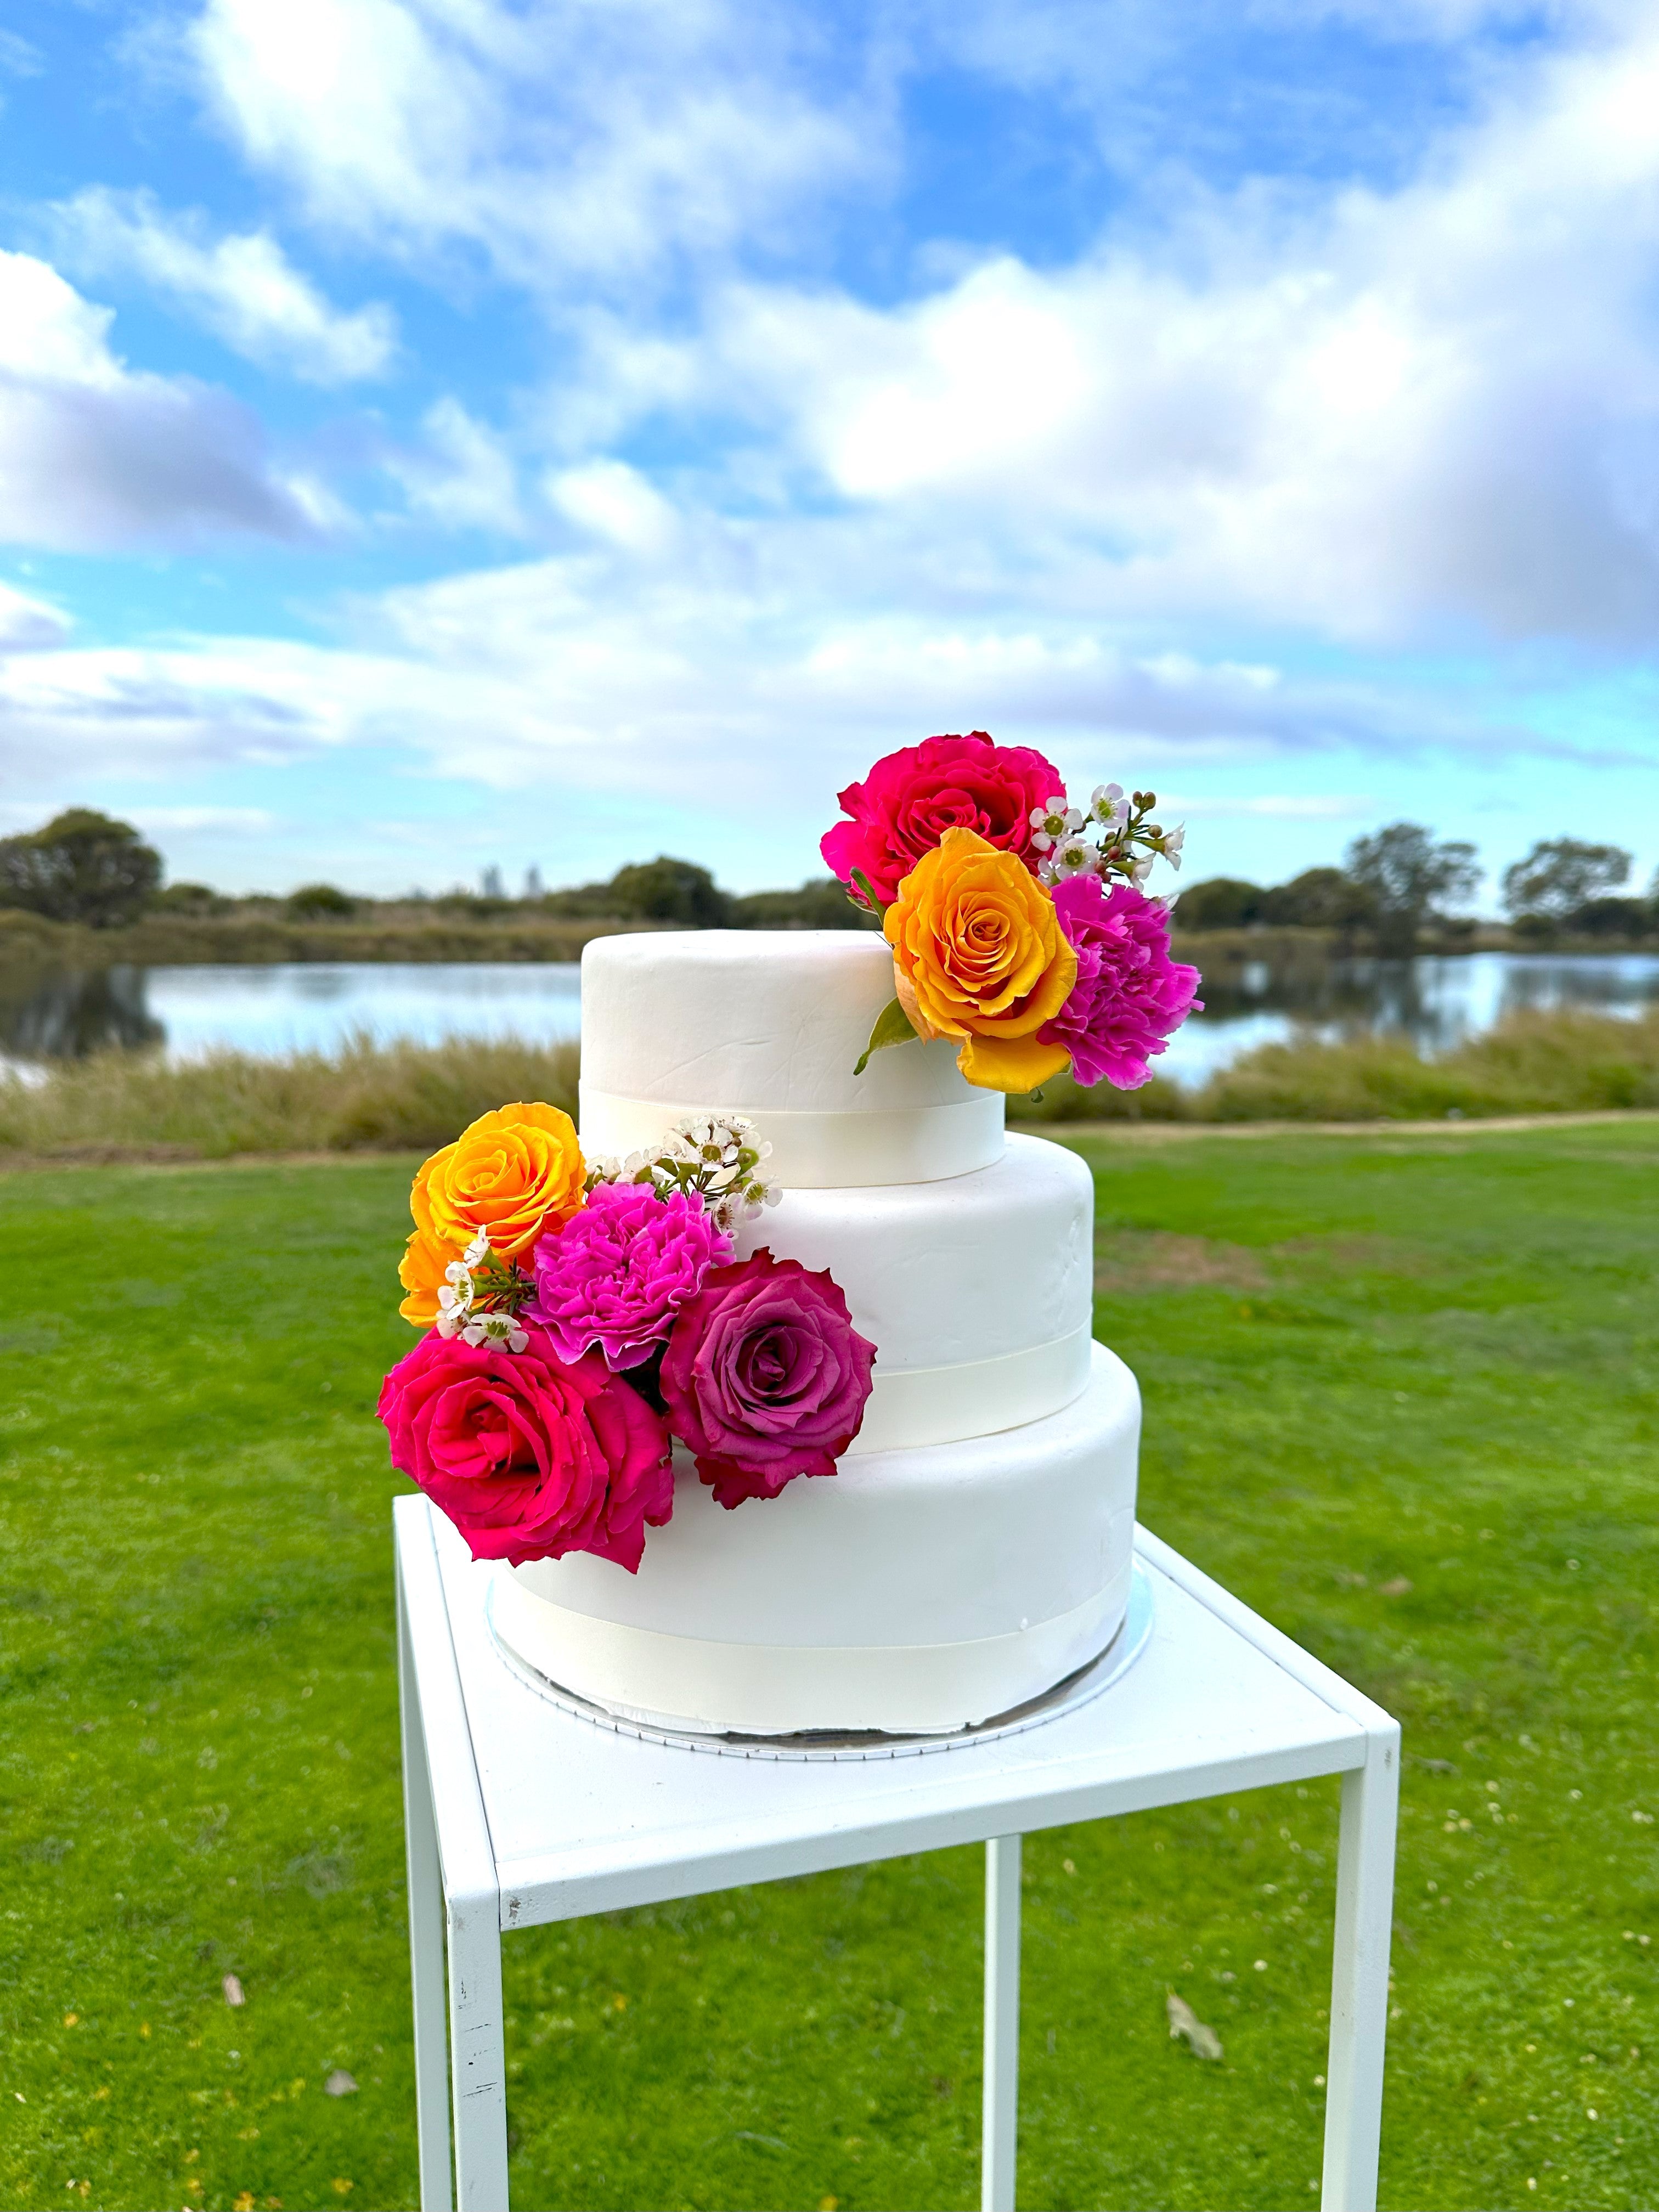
[{"x": 773, "y": 1394}]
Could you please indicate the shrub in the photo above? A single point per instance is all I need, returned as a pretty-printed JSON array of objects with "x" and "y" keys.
[{"x": 82, "y": 866}]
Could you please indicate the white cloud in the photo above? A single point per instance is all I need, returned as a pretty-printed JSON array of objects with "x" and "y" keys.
[
  {"x": 29, "y": 625},
  {"x": 553, "y": 136},
  {"x": 1376, "y": 415},
  {"x": 461, "y": 477},
  {"x": 616, "y": 503},
  {"x": 93, "y": 455},
  {"x": 241, "y": 286}
]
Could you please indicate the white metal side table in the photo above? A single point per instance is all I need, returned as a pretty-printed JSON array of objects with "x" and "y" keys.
[{"x": 517, "y": 1812}]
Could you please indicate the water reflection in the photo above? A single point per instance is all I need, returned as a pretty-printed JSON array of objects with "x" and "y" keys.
[
  {"x": 1251, "y": 998},
  {"x": 1434, "y": 1002},
  {"x": 69, "y": 1014}
]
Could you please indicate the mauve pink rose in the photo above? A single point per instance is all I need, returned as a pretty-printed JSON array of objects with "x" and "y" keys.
[
  {"x": 530, "y": 1455},
  {"x": 765, "y": 1377},
  {"x": 617, "y": 1274},
  {"x": 1129, "y": 995},
  {"x": 911, "y": 798}
]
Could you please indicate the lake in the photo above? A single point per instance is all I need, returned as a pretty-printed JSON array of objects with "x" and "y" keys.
[{"x": 188, "y": 1011}]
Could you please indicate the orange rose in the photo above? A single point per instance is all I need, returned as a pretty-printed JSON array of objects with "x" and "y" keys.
[
  {"x": 509, "y": 1173},
  {"x": 421, "y": 1271},
  {"x": 979, "y": 954}
]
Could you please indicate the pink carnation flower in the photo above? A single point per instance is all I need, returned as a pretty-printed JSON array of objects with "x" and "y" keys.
[
  {"x": 617, "y": 1274},
  {"x": 530, "y": 1456},
  {"x": 765, "y": 1377},
  {"x": 1129, "y": 995},
  {"x": 911, "y": 798}
]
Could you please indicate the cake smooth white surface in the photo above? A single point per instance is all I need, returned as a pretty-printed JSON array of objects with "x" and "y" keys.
[
  {"x": 975, "y": 1546},
  {"x": 771, "y": 1024},
  {"x": 918, "y": 1592}
]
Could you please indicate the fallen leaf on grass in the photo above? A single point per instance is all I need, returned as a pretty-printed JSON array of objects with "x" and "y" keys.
[
  {"x": 1183, "y": 2020},
  {"x": 340, "y": 2083},
  {"x": 233, "y": 1990}
]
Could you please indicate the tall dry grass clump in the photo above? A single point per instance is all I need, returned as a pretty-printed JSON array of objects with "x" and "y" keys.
[
  {"x": 408, "y": 1098},
  {"x": 368, "y": 1097},
  {"x": 1534, "y": 1063}
]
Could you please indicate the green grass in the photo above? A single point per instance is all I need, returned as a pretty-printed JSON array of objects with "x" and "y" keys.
[{"x": 1368, "y": 1362}]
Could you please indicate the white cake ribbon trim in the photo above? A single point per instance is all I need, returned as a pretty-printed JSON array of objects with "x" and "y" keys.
[
  {"x": 913, "y": 1406},
  {"x": 844, "y": 1150}
]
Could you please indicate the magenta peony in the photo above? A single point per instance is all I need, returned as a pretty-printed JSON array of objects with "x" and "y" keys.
[
  {"x": 1129, "y": 995},
  {"x": 617, "y": 1273},
  {"x": 530, "y": 1455},
  {"x": 765, "y": 1377},
  {"x": 912, "y": 797}
]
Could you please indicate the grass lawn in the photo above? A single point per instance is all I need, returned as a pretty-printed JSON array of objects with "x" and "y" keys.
[{"x": 1402, "y": 1395}]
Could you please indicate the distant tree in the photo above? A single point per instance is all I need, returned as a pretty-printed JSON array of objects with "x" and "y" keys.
[
  {"x": 1410, "y": 878},
  {"x": 1222, "y": 902},
  {"x": 1560, "y": 875},
  {"x": 490, "y": 885},
  {"x": 83, "y": 867},
  {"x": 820, "y": 904},
  {"x": 1321, "y": 898},
  {"x": 190, "y": 898},
  {"x": 532, "y": 882},
  {"x": 320, "y": 902},
  {"x": 1615, "y": 917},
  {"x": 663, "y": 889}
]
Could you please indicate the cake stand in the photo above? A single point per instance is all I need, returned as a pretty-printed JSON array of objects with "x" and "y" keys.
[{"x": 521, "y": 1808}]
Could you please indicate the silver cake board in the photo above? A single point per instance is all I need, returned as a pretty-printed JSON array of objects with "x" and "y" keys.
[{"x": 1079, "y": 1688}]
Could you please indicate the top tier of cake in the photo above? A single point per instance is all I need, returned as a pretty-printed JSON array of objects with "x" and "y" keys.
[{"x": 770, "y": 1023}]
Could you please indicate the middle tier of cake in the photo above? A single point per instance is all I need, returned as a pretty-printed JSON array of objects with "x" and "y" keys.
[{"x": 976, "y": 1292}]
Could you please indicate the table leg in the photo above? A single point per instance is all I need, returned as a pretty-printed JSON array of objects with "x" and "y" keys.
[
  {"x": 1359, "y": 1977},
  {"x": 1001, "y": 2114},
  {"x": 477, "y": 2039},
  {"x": 426, "y": 1943}
]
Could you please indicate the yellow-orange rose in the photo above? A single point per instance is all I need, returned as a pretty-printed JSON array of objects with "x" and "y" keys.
[
  {"x": 979, "y": 954},
  {"x": 421, "y": 1271},
  {"x": 509, "y": 1173}
]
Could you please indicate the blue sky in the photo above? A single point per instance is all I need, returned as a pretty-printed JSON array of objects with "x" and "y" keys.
[{"x": 440, "y": 433}]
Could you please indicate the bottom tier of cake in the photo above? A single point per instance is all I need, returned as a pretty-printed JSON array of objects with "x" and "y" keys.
[{"x": 917, "y": 1592}]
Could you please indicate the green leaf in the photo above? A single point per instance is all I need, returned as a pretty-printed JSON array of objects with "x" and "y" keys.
[
  {"x": 863, "y": 892},
  {"x": 892, "y": 1027}
]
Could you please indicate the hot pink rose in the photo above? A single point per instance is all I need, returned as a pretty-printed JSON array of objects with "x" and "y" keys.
[
  {"x": 530, "y": 1455},
  {"x": 765, "y": 1377},
  {"x": 1129, "y": 995},
  {"x": 912, "y": 797},
  {"x": 617, "y": 1273}
]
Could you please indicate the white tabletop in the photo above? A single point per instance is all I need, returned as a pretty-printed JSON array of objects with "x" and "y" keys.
[{"x": 578, "y": 1818}]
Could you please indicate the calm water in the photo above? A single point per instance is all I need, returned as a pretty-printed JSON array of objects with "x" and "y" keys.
[{"x": 188, "y": 1011}]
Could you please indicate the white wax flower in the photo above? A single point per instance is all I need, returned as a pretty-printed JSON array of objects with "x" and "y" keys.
[{"x": 501, "y": 1330}]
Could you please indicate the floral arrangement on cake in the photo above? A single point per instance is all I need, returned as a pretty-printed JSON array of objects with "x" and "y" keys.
[
  {"x": 1019, "y": 924},
  {"x": 579, "y": 1316}
]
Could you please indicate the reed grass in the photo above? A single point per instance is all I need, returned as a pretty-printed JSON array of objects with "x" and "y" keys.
[
  {"x": 374, "y": 1096},
  {"x": 369, "y": 1096},
  {"x": 1534, "y": 1063}
]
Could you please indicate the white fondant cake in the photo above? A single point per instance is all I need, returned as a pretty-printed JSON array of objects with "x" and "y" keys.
[{"x": 974, "y": 1546}]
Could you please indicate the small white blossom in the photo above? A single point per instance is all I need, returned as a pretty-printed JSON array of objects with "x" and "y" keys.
[
  {"x": 501, "y": 1330},
  {"x": 1108, "y": 805},
  {"x": 476, "y": 1250},
  {"x": 1052, "y": 821},
  {"x": 1139, "y": 868},
  {"x": 450, "y": 1324},
  {"x": 454, "y": 1298},
  {"x": 1171, "y": 843}
]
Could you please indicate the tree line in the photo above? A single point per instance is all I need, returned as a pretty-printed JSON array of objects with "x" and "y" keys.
[
  {"x": 1394, "y": 886},
  {"x": 1401, "y": 882},
  {"x": 87, "y": 867}
]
